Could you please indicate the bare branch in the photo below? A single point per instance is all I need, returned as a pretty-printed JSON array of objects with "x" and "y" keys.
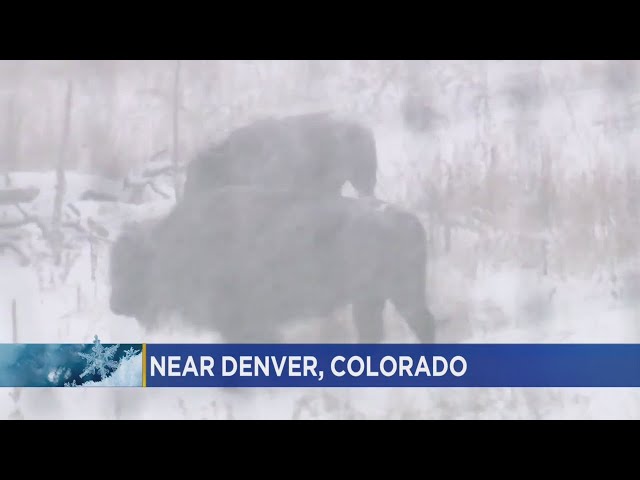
[
  {"x": 158, "y": 191},
  {"x": 34, "y": 219},
  {"x": 70, "y": 260},
  {"x": 74, "y": 209},
  {"x": 24, "y": 260},
  {"x": 18, "y": 223},
  {"x": 96, "y": 228},
  {"x": 158, "y": 154},
  {"x": 391, "y": 71},
  {"x": 98, "y": 196},
  {"x": 75, "y": 225},
  {"x": 154, "y": 172},
  {"x": 166, "y": 170}
]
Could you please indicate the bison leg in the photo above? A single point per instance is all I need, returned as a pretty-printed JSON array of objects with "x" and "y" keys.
[
  {"x": 262, "y": 336},
  {"x": 369, "y": 320},
  {"x": 421, "y": 321},
  {"x": 417, "y": 315},
  {"x": 250, "y": 332}
]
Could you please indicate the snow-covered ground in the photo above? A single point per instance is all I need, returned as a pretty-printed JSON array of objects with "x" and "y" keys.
[
  {"x": 498, "y": 305},
  {"x": 487, "y": 286}
]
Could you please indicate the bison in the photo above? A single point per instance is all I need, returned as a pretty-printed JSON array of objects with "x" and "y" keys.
[
  {"x": 262, "y": 258},
  {"x": 313, "y": 153}
]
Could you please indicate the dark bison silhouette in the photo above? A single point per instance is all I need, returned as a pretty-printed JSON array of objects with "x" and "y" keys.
[
  {"x": 313, "y": 153},
  {"x": 263, "y": 258}
]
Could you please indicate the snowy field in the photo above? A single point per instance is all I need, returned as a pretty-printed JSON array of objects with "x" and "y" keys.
[{"x": 500, "y": 271}]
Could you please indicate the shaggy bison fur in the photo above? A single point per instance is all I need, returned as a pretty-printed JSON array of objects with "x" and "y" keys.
[
  {"x": 262, "y": 258},
  {"x": 313, "y": 153}
]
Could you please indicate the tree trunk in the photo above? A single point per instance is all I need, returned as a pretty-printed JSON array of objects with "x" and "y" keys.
[
  {"x": 16, "y": 392},
  {"x": 11, "y": 144},
  {"x": 176, "y": 132},
  {"x": 14, "y": 321},
  {"x": 61, "y": 186}
]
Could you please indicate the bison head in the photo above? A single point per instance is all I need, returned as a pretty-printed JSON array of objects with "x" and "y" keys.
[
  {"x": 360, "y": 153},
  {"x": 129, "y": 266}
]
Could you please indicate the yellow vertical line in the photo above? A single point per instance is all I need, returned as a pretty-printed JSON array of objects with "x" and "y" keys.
[{"x": 144, "y": 365}]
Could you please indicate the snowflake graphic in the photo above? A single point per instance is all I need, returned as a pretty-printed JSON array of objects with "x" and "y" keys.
[
  {"x": 100, "y": 360},
  {"x": 128, "y": 354}
]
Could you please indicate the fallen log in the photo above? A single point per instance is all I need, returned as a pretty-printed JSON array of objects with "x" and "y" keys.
[
  {"x": 12, "y": 196},
  {"x": 98, "y": 196}
]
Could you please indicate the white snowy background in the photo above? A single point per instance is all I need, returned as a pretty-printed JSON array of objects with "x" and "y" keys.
[{"x": 527, "y": 183}]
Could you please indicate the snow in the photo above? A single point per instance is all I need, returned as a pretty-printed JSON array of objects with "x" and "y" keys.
[
  {"x": 128, "y": 374},
  {"x": 487, "y": 288}
]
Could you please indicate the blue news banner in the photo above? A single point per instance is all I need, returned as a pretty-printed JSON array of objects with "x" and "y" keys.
[
  {"x": 385, "y": 365},
  {"x": 100, "y": 364}
]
